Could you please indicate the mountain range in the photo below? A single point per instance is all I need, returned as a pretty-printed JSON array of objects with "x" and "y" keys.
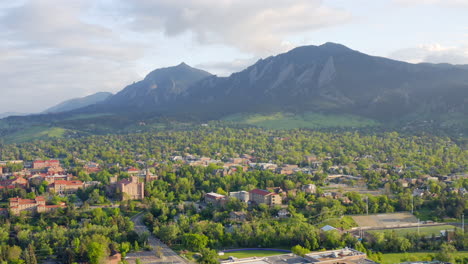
[
  {"x": 329, "y": 79},
  {"x": 77, "y": 103}
]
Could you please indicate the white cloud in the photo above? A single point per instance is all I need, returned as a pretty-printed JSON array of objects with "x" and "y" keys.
[
  {"x": 433, "y": 53},
  {"x": 52, "y": 50},
  {"x": 49, "y": 53},
  {"x": 259, "y": 27},
  {"x": 223, "y": 68},
  {"x": 447, "y": 3}
]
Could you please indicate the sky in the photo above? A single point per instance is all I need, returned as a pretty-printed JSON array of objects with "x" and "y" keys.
[{"x": 54, "y": 50}]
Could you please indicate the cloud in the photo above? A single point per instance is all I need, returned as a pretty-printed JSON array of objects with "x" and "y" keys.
[
  {"x": 259, "y": 27},
  {"x": 50, "y": 53},
  {"x": 446, "y": 3},
  {"x": 225, "y": 68},
  {"x": 434, "y": 53}
]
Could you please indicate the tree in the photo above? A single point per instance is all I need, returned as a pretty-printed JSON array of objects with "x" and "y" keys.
[
  {"x": 124, "y": 248},
  {"x": 29, "y": 255},
  {"x": 13, "y": 253},
  {"x": 195, "y": 242},
  {"x": 96, "y": 252},
  {"x": 446, "y": 253},
  {"x": 208, "y": 256},
  {"x": 299, "y": 250}
]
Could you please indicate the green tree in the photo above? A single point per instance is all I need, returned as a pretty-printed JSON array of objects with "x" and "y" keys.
[
  {"x": 195, "y": 242},
  {"x": 96, "y": 252},
  {"x": 299, "y": 250},
  {"x": 208, "y": 256}
]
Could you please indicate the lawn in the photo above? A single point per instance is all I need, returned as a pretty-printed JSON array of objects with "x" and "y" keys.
[
  {"x": 391, "y": 258},
  {"x": 251, "y": 253},
  {"x": 35, "y": 133},
  {"x": 426, "y": 230},
  {"x": 306, "y": 120}
]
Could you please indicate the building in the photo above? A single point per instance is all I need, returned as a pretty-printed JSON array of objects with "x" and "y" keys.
[
  {"x": 242, "y": 196},
  {"x": 215, "y": 199},
  {"x": 283, "y": 213},
  {"x": 344, "y": 255},
  {"x": 131, "y": 189},
  {"x": 37, "y": 205},
  {"x": 238, "y": 216},
  {"x": 65, "y": 187},
  {"x": 41, "y": 164},
  {"x": 259, "y": 196},
  {"x": 309, "y": 188},
  {"x": 18, "y": 182}
]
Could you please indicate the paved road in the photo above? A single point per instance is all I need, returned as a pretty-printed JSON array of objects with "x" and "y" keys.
[{"x": 169, "y": 256}]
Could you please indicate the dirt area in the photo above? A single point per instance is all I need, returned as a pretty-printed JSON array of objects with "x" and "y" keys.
[{"x": 385, "y": 220}]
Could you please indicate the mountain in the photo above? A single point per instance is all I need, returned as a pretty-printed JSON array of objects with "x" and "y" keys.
[
  {"x": 332, "y": 78},
  {"x": 158, "y": 88},
  {"x": 7, "y": 114},
  {"x": 78, "y": 102},
  {"x": 312, "y": 82}
]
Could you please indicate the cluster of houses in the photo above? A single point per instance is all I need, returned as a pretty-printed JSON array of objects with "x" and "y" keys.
[{"x": 63, "y": 184}]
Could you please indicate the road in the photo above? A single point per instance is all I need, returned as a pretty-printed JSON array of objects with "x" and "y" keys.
[{"x": 169, "y": 256}]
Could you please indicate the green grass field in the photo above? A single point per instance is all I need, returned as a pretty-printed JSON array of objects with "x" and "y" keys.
[
  {"x": 391, "y": 258},
  {"x": 251, "y": 253},
  {"x": 35, "y": 133},
  {"x": 427, "y": 230},
  {"x": 306, "y": 120}
]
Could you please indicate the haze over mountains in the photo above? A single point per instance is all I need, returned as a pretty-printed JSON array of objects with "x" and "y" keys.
[
  {"x": 325, "y": 79},
  {"x": 76, "y": 103}
]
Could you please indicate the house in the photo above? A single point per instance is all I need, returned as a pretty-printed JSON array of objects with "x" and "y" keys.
[
  {"x": 18, "y": 182},
  {"x": 327, "y": 228},
  {"x": 242, "y": 196},
  {"x": 259, "y": 196},
  {"x": 309, "y": 188},
  {"x": 37, "y": 205},
  {"x": 283, "y": 213},
  {"x": 287, "y": 169},
  {"x": 132, "y": 171},
  {"x": 238, "y": 216},
  {"x": 215, "y": 199},
  {"x": 130, "y": 188},
  {"x": 63, "y": 187}
]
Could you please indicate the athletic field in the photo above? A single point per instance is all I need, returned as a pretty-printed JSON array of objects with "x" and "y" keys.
[{"x": 385, "y": 220}]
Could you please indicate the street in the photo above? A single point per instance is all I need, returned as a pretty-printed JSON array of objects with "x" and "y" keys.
[{"x": 169, "y": 256}]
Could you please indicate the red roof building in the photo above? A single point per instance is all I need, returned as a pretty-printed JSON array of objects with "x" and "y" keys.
[
  {"x": 259, "y": 196},
  {"x": 37, "y": 205},
  {"x": 65, "y": 187}
]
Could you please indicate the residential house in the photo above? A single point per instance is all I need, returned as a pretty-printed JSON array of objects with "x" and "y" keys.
[
  {"x": 309, "y": 188},
  {"x": 259, "y": 196},
  {"x": 18, "y": 182},
  {"x": 283, "y": 213}
]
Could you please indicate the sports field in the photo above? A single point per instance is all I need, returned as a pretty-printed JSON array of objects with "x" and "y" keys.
[
  {"x": 385, "y": 220},
  {"x": 425, "y": 230},
  {"x": 251, "y": 253}
]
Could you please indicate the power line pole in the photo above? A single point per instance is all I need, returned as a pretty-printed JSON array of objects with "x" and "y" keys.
[
  {"x": 418, "y": 226},
  {"x": 463, "y": 223},
  {"x": 367, "y": 205},
  {"x": 412, "y": 204}
]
